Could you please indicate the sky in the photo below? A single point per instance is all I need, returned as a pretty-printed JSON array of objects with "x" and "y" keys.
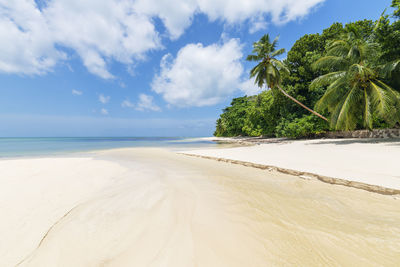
[{"x": 142, "y": 67}]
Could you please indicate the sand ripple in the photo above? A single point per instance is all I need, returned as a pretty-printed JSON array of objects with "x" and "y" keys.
[{"x": 149, "y": 207}]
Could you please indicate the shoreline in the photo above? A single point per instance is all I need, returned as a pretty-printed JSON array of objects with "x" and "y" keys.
[
  {"x": 143, "y": 206},
  {"x": 307, "y": 176},
  {"x": 367, "y": 164}
]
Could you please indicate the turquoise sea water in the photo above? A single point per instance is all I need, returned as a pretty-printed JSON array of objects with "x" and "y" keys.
[{"x": 22, "y": 147}]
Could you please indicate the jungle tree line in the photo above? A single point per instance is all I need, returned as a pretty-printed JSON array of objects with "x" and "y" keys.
[{"x": 349, "y": 74}]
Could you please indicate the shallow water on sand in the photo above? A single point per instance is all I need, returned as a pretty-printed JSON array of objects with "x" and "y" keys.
[
  {"x": 163, "y": 209},
  {"x": 45, "y": 146}
]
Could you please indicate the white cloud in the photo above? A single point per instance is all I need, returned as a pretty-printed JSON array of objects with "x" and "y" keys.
[
  {"x": 175, "y": 14},
  {"x": 27, "y": 46},
  {"x": 76, "y": 92},
  {"x": 33, "y": 39},
  {"x": 249, "y": 88},
  {"x": 127, "y": 104},
  {"x": 257, "y": 24},
  {"x": 98, "y": 31},
  {"x": 200, "y": 75},
  {"x": 104, "y": 99},
  {"x": 146, "y": 103},
  {"x": 104, "y": 111},
  {"x": 234, "y": 11}
]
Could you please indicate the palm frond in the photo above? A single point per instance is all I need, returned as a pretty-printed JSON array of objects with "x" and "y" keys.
[
  {"x": 346, "y": 119},
  {"x": 386, "y": 101},
  {"x": 369, "y": 50},
  {"x": 274, "y": 43},
  {"x": 278, "y": 52},
  {"x": 253, "y": 58},
  {"x": 335, "y": 113},
  {"x": 367, "y": 110},
  {"x": 354, "y": 54},
  {"x": 339, "y": 51},
  {"x": 388, "y": 69},
  {"x": 330, "y": 62},
  {"x": 380, "y": 99},
  {"x": 326, "y": 79},
  {"x": 280, "y": 65},
  {"x": 332, "y": 95},
  {"x": 363, "y": 73},
  {"x": 337, "y": 43}
]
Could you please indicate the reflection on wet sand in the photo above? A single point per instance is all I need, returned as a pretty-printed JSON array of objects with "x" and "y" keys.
[{"x": 163, "y": 209}]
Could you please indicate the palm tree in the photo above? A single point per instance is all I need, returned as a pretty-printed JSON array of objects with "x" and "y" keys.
[
  {"x": 268, "y": 70},
  {"x": 355, "y": 89},
  {"x": 396, "y": 4}
]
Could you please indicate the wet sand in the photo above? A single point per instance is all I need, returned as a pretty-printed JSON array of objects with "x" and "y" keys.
[
  {"x": 151, "y": 207},
  {"x": 371, "y": 164}
]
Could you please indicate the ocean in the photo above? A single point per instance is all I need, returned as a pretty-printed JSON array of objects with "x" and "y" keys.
[{"x": 38, "y": 146}]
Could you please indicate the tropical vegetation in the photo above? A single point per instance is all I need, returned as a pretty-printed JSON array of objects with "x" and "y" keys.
[{"x": 349, "y": 74}]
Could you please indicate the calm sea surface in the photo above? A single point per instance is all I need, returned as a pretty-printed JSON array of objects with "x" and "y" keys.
[{"x": 21, "y": 147}]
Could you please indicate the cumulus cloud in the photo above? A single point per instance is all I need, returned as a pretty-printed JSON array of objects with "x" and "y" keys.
[
  {"x": 176, "y": 14},
  {"x": 127, "y": 104},
  {"x": 76, "y": 92},
  {"x": 234, "y": 11},
  {"x": 98, "y": 31},
  {"x": 34, "y": 39},
  {"x": 257, "y": 24},
  {"x": 146, "y": 103},
  {"x": 27, "y": 44},
  {"x": 249, "y": 88},
  {"x": 200, "y": 75},
  {"x": 104, "y": 99},
  {"x": 104, "y": 111}
]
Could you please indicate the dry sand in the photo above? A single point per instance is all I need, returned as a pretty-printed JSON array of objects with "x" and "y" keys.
[
  {"x": 368, "y": 161},
  {"x": 150, "y": 207}
]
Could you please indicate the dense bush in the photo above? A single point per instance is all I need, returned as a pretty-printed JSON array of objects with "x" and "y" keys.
[{"x": 307, "y": 126}]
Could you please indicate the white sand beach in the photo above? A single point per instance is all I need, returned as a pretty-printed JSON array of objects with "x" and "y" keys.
[
  {"x": 152, "y": 207},
  {"x": 366, "y": 161}
]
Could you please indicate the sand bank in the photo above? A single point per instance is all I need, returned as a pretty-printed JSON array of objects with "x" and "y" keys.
[
  {"x": 370, "y": 164},
  {"x": 150, "y": 207}
]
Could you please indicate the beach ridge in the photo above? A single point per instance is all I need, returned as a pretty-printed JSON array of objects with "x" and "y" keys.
[{"x": 306, "y": 175}]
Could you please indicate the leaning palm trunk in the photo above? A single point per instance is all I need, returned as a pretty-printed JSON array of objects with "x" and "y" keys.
[
  {"x": 268, "y": 70},
  {"x": 301, "y": 104}
]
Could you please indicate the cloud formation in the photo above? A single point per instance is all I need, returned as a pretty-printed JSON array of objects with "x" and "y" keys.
[
  {"x": 104, "y": 111},
  {"x": 249, "y": 87},
  {"x": 104, "y": 99},
  {"x": 36, "y": 39},
  {"x": 76, "y": 92},
  {"x": 98, "y": 31},
  {"x": 200, "y": 75},
  {"x": 127, "y": 104},
  {"x": 146, "y": 103}
]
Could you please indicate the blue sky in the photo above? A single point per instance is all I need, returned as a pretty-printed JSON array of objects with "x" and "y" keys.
[{"x": 144, "y": 67}]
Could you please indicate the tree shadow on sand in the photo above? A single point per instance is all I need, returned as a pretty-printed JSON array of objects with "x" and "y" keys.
[{"x": 386, "y": 141}]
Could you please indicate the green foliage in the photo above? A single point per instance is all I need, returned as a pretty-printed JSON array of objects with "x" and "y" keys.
[
  {"x": 261, "y": 115},
  {"x": 396, "y": 4},
  {"x": 232, "y": 119},
  {"x": 355, "y": 91},
  {"x": 268, "y": 70},
  {"x": 306, "y": 126},
  {"x": 388, "y": 36},
  {"x": 356, "y": 82}
]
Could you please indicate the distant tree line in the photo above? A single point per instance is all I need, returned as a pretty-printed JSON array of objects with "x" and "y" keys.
[{"x": 346, "y": 78}]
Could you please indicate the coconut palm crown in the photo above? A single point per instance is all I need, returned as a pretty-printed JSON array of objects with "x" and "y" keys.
[
  {"x": 268, "y": 70},
  {"x": 356, "y": 91}
]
